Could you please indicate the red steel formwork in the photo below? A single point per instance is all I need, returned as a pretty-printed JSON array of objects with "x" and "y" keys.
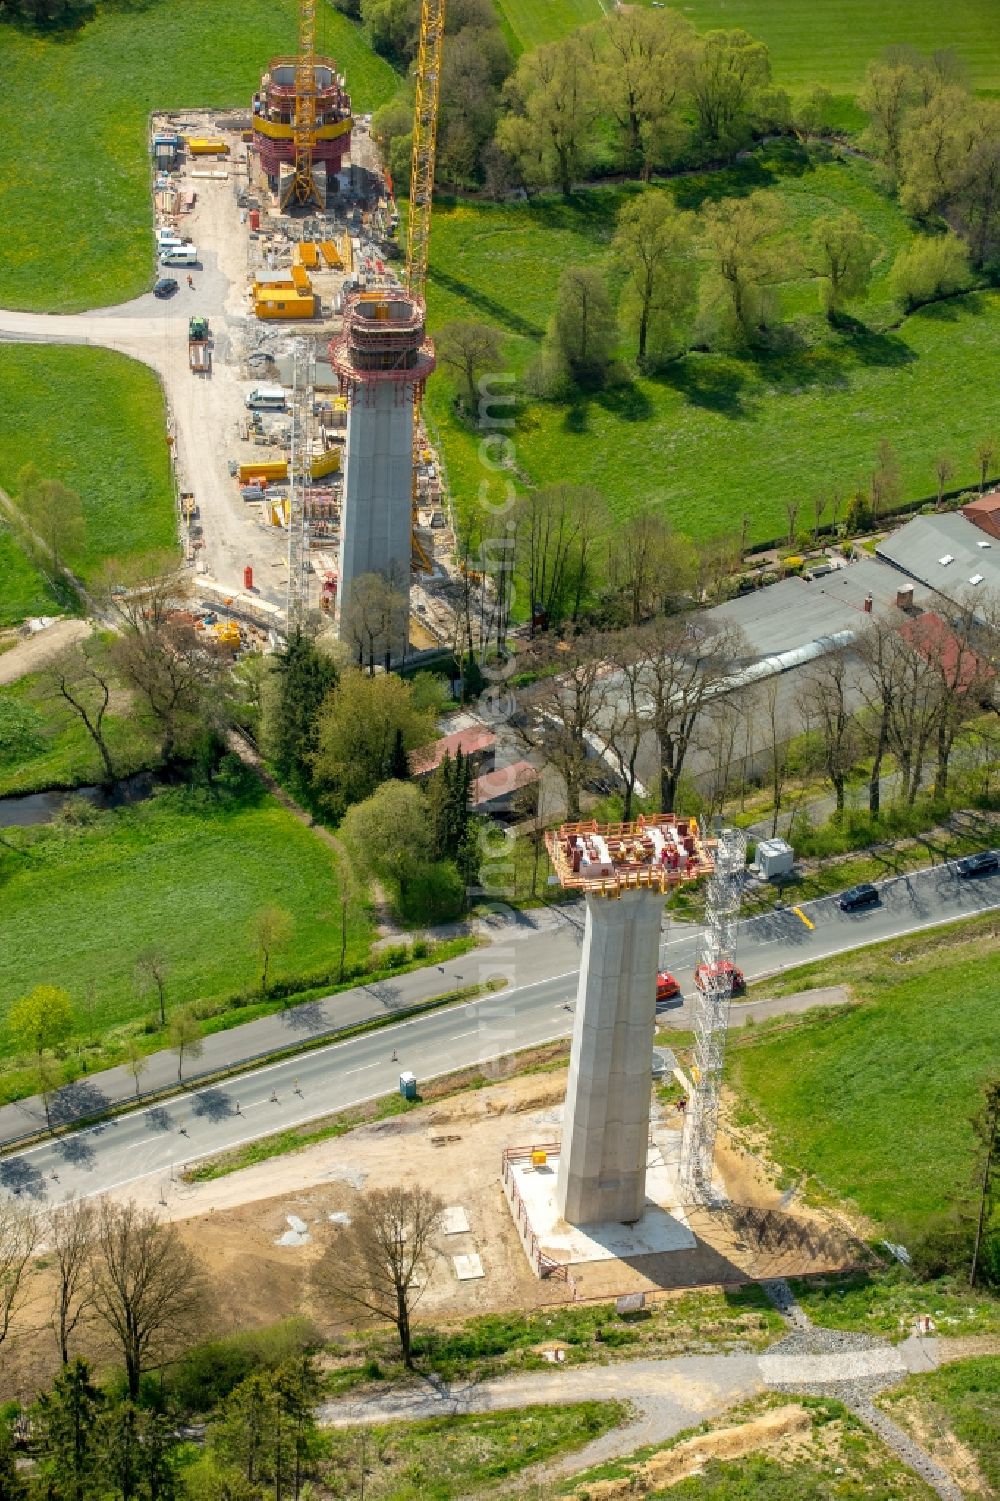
[
  {"x": 383, "y": 339},
  {"x": 274, "y": 116}
]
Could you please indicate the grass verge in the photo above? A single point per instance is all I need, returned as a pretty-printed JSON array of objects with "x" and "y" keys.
[
  {"x": 916, "y": 1052},
  {"x": 961, "y": 1399},
  {"x": 891, "y": 1302}
]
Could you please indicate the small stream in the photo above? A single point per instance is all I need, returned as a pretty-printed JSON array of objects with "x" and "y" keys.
[{"x": 21, "y": 812}]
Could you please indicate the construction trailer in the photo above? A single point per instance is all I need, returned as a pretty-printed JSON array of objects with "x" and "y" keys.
[{"x": 281, "y": 302}]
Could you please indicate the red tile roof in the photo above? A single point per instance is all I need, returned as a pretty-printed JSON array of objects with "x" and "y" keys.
[
  {"x": 469, "y": 742},
  {"x": 936, "y": 642}
]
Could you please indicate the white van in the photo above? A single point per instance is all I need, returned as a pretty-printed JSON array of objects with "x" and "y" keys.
[
  {"x": 267, "y": 396},
  {"x": 179, "y": 255}
]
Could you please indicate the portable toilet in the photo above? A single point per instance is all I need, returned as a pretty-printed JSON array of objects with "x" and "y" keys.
[
  {"x": 408, "y": 1086},
  {"x": 774, "y": 858}
]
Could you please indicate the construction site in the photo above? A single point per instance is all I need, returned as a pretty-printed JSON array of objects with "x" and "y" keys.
[{"x": 301, "y": 458}]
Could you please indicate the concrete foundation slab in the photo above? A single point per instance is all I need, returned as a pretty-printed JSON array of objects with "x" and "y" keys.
[
  {"x": 455, "y": 1221},
  {"x": 468, "y": 1268},
  {"x": 662, "y": 1227}
]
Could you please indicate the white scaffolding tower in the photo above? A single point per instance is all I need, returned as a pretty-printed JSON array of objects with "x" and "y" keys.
[
  {"x": 299, "y": 474},
  {"x": 718, "y": 956}
]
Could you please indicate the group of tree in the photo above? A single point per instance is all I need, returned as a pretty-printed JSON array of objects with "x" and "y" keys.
[{"x": 47, "y": 14}]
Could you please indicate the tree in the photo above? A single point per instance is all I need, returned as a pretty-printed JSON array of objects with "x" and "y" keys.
[
  {"x": 185, "y": 1037},
  {"x": 81, "y": 679},
  {"x": 447, "y": 793},
  {"x": 19, "y": 1231},
  {"x": 812, "y": 112},
  {"x": 271, "y": 929},
  {"x": 654, "y": 246},
  {"x": 151, "y": 969},
  {"x": 381, "y": 1261},
  {"x": 584, "y": 331},
  {"x": 792, "y": 508},
  {"x": 841, "y": 254},
  {"x": 300, "y": 678},
  {"x": 356, "y": 735},
  {"x": 986, "y": 1126},
  {"x": 65, "y": 1421},
  {"x": 148, "y": 1287},
  {"x": 54, "y": 516},
  {"x": 391, "y": 832},
  {"x": 562, "y": 710},
  {"x": 70, "y": 1232},
  {"x": 624, "y": 724},
  {"x": 820, "y": 503},
  {"x": 470, "y": 349},
  {"x": 986, "y": 453},
  {"x": 552, "y": 105},
  {"x": 886, "y": 95},
  {"x": 771, "y": 715},
  {"x": 642, "y": 62},
  {"x": 374, "y": 619},
  {"x": 928, "y": 268},
  {"x": 944, "y": 473},
  {"x": 886, "y": 481},
  {"x": 137, "y": 1447},
  {"x": 267, "y": 1426},
  {"x": 41, "y": 1020},
  {"x": 748, "y": 258},
  {"x": 137, "y": 1062},
  {"x": 556, "y": 528},
  {"x": 826, "y": 702},
  {"x": 685, "y": 663},
  {"x": 936, "y": 141},
  {"x": 648, "y": 565},
  {"x": 729, "y": 71}
]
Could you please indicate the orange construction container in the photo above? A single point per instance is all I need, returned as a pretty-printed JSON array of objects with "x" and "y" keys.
[{"x": 301, "y": 279}]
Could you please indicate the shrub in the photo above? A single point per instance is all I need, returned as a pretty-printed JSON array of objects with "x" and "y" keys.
[
  {"x": 931, "y": 267},
  {"x": 395, "y": 955},
  {"x": 209, "y": 1372}
]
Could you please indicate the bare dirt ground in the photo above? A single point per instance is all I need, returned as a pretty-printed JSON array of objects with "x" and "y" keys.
[{"x": 35, "y": 652}]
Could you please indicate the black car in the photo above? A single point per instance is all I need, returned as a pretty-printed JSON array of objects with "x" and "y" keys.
[
  {"x": 864, "y": 895},
  {"x": 165, "y": 287},
  {"x": 980, "y": 864}
]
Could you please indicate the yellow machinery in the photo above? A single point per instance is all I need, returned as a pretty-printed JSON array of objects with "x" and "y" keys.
[
  {"x": 303, "y": 185},
  {"x": 418, "y": 227}
]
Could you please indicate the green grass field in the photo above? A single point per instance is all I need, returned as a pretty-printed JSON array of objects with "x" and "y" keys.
[
  {"x": 532, "y": 22},
  {"x": 748, "y": 432},
  {"x": 915, "y": 1054},
  {"x": 74, "y": 173},
  {"x": 182, "y": 871},
  {"x": 96, "y": 421},
  {"x": 42, "y": 744},
  {"x": 23, "y": 591},
  {"x": 834, "y": 43}
]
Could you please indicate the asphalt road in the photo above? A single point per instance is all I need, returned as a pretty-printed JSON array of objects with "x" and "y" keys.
[{"x": 481, "y": 1033}]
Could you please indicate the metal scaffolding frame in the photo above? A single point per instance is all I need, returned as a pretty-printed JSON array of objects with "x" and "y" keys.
[
  {"x": 718, "y": 954},
  {"x": 300, "y": 462}
]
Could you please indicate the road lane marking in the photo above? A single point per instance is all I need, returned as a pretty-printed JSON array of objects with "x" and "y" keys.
[{"x": 800, "y": 914}]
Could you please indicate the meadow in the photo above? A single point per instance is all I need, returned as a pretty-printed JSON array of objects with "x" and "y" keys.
[
  {"x": 43, "y": 744},
  {"x": 96, "y": 421},
  {"x": 916, "y": 1053},
  {"x": 74, "y": 173},
  {"x": 715, "y": 435},
  {"x": 185, "y": 872}
]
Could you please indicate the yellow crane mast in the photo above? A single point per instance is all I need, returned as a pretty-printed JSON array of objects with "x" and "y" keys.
[
  {"x": 303, "y": 188},
  {"x": 418, "y": 226}
]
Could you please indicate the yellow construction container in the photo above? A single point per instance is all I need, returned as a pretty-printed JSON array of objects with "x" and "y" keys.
[
  {"x": 347, "y": 254},
  {"x": 227, "y": 633},
  {"x": 206, "y": 146},
  {"x": 300, "y": 276},
  {"x": 273, "y": 302},
  {"x": 306, "y": 254},
  {"x": 277, "y": 469},
  {"x": 325, "y": 463},
  {"x": 330, "y": 253}
]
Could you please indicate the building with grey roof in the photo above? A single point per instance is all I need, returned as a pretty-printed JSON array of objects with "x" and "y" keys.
[{"x": 948, "y": 554}]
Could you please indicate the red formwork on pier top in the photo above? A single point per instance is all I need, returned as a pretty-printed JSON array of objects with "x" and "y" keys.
[
  {"x": 383, "y": 339},
  {"x": 653, "y": 852}
]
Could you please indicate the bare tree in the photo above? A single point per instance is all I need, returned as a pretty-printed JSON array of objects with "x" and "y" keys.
[
  {"x": 623, "y": 723},
  {"x": 271, "y": 928},
  {"x": 528, "y": 809},
  {"x": 71, "y": 1231},
  {"x": 774, "y": 719},
  {"x": 962, "y": 678},
  {"x": 137, "y": 1061},
  {"x": 185, "y": 1037},
  {"x": 878, "y": 688},
  {"x": 81, "y": 679},
  {"x": 944, "y": 471},
  {"x": 986, "y": 452},
  {"x": 723, "y": 723},
  {"x": 375, "y": 620},
  {"x": 381, "y": 1261},
  {"x": 684, "y": 667},
  {"x": 151, "y": 969},
  {"x": 820, "y": 503},
  {"x": 899, "y": 688},
  {"x": 886, "y": 481},
  {"x": 18, "y": 1238},
  {"x": 826, "y": 700},
  {"x": 147, "y": 1287},
  {"x": 641, "y": 563},
  {"x": 564, "y": 709},
  {"x": 556, "y": 531},
  {"x": 792, "y": 512}
]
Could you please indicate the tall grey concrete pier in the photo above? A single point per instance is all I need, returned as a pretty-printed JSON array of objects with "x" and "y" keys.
[
  {"x": 602, "y": 1159},
  {"x": 624, "y": 871},
  {"x": 382, "y": 357}
]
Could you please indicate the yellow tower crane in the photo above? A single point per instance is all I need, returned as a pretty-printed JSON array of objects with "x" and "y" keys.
[
  {"x": 418, "y": 228},
  {"x": 303, "y": 187}
]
